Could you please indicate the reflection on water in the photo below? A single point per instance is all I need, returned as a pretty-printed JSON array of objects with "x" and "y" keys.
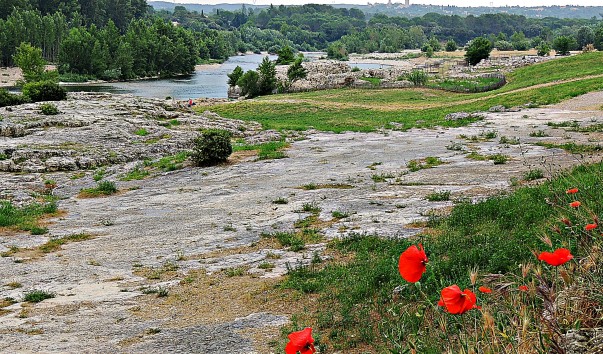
[{"x": 210, "y": 82}]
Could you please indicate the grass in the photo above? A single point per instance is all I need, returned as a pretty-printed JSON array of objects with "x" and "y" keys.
[
  {"x": 572, "y": 147},
  {"x": 266, "y": 151},
  {"x": 533, "y": 174},
  {"x": 370, "y": 109},
  {"x": 169, "y": 163},
  {"x": 366, "y": 307},
  {"x": 314, "y": 186},
  {"x": 438, "y": 196},
  {"x": 374, "y": 81},
  {"x": 103, "y": 188},
  {"x": 55, "y": 244},
  {"x": 472, "y": 84},
  {"x": 136, "y": 174},
  {"x": 141, "y": 132},
  {"x": 428, "y": 162},
  {"x": 26, "y": 218}
]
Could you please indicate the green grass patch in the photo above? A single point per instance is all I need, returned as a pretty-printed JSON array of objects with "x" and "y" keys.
[
  {"x": 365, "y": 303},
  {"x": 169, "y": 163},
  {"x": 375, "y": 81},
  {"x": 38, "y": 296},
  {"x": 55, "y": 244},
  {"x": 141, "y": 132},
  {"x": 438, "y": 196},
  {"x": 428, "y": 162},
  {"x": 266, "y": 151},
  {"x": 103, "y": 188},
  {"x": 136, "y": 174},
  {"x": 26, "y": 218}
]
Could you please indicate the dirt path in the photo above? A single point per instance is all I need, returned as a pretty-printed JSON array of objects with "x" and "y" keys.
[{"x": 165, "y": 233}]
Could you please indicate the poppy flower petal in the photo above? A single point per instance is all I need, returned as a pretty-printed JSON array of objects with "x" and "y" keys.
[
  {"x": 484, "y": 289},
  {"x": 299, "y": 341},
  {"x": 589, "y": 227},
  {"x": 575, "y": 204},
  {"x": 412, "y": 263},
  {"x": 523, "y": 288},
  {"x": 557, "y": 258},
  {"x": 572, "y": 191}
]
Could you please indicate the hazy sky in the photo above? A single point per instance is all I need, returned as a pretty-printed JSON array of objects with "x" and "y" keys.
[{"x": 433, "y": 2}]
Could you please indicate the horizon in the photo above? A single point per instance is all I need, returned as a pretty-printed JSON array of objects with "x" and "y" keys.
[{"x": 457, "y": 3}]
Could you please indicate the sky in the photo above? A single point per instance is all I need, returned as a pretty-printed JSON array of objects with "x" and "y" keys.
[{"x": 432, "y": 2}]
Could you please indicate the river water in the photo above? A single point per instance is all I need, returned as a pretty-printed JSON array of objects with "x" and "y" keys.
[{"x": 209, "y": 82}]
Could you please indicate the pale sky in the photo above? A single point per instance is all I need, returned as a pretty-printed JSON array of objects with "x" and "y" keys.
[{"x": 432, "y": 2}]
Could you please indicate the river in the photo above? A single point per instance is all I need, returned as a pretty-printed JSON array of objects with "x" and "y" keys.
[{"x": 209, "y": 82}]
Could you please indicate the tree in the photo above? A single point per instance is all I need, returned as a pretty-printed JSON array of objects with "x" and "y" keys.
[
  {"x": 585, "y": 36},
  {"x": 211, "y": 147},
  {"x": 563, "y": 44},
  {"x": 30, "y": 60},
  {"x": 451, "y": 46},
  {"x": 434, "y": 44},
  {"x": 285, "y": 56},
  {"x": 267, "y": 77},
  {"x": 234, "y": 76},
  {"x": 296, "y": 71},
  {"x": 249, "y": 84},
  {"x": 543, "y": 49},
  {"x": 479, "y": 48}
]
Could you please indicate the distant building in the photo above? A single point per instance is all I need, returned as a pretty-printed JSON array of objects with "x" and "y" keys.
[{"x": 407, "y": 3}]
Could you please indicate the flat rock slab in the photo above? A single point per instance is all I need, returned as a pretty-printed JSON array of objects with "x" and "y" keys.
[{"x": 174, "y": 218}]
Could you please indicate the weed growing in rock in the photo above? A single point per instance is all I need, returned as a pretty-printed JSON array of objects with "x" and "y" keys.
[
  {"x": 280, "y": 200},
  {"x": 311, "y": 208},
  {"x": 533, "y": 175},
  {"x": 428, "y": 162},
  {"x": 438, "y": 196},
  {"x": 538, "y": 134},
  {"x": 49, "y": 109},
  {"x": 266, "y": 265},
  {"x": 288, "y": 239},
  {"x": 136, "y": 174},
  {"x": 103, "y": 188},
  {"x": 141, "y": 132},
  {"x": 37, "y": 296},
  {"x": 336, "y": 214},
  {"x": 509, "y": 141}
]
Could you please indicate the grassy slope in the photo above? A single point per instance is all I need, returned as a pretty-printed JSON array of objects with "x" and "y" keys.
[
  {"x": 494, "y": 236},
  {"x": 367, "y": 110}
]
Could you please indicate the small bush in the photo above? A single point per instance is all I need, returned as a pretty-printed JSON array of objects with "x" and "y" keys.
[
  {"x": 212, "y": 147},
  {"x": 49, "y": 109},
  {"x": 44, "y": 91},
  {"x": 38, "y": 295},
  {"x": 102, "y": 188},
  {"x": 499, "y": 159},
  {"x": 9, "y": 99},
  {"x": 417, "y": 77}
]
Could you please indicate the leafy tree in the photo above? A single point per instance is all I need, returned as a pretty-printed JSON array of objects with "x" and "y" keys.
[
  {"x": 563, "y": 44},
  {"x": 435, "y": 44},
  {"x": 285, "y": 56},
  {"x": 44, "y": 91},
  {"x": 234, "y": 76},
  {"x": 337, "y": 51},
  {"x": 30, "y": 60},
  {"x": 296, "y": 71},
  {"x": 451, "y": 46},
  {"x": 585, "y": 36},
  {"x": 479, "y": 48},
  {"x": 267, "y": 77},
  {"x": 543, "y": 49},
  {"x": 519, "y": 41},
  {"x": 249, "y": 84},
  {"x": 599, "y": 37},
  {"x": 503, "y": 45}
]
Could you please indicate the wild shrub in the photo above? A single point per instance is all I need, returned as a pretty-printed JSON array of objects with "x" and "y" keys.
[
  {"x": 49, "y": 109},
  {"x": 211, "y": 147},
  {"x": 9, "y": 99},
  {"x": 44, "y": 91},
  {"x": 417, "y": 77}
]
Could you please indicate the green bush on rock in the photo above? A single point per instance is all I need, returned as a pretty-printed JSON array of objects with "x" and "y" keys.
[{"x": 211, "y": 147}]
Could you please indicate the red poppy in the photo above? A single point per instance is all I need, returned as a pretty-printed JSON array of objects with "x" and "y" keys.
[
  {"x": 523, "y": 288},
  {"x": 484, "y": 289},
  {"x": 457, "y": 302},
  {"x": 572, "y": 191},
  {"x": 412, "y": 263},
  {"x": 589, "y": 227},
  {"x": 575, "y": 204},
  {"x": 301, "y": 342},
  {"x": 557, "y": 258}
]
